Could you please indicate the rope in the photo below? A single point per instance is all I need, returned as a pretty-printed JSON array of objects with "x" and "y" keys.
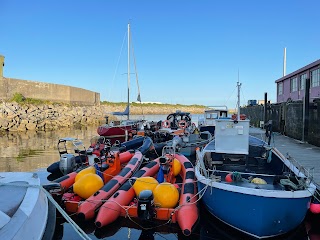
[{"x": 236, "y": 177}]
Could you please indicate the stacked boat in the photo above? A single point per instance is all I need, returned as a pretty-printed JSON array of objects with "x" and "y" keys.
[{"x": 118, "y": 184}]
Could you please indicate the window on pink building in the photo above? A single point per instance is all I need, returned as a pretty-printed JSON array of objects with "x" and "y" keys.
[
  {"x": 293, "y": 84},
  {"x": 315, "y": 78},
  {"x": 302, "y": 81},
  {"x": 280, "y": 88}
]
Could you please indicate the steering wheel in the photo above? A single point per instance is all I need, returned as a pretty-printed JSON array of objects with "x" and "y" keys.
[
  {"x": 187, "y": 118},
  {"x": 170, "y": 116}
]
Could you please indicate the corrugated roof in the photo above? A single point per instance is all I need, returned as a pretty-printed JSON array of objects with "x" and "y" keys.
[{"x": 311, "y": 65}]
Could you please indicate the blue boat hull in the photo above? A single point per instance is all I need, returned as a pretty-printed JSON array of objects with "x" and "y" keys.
[{"x": 258, "y": 216}]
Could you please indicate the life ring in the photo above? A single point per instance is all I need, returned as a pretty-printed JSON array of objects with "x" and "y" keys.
[
  {"x": 182, "y": 124},
  {"x": 166, "y": 124},
  {"x": 242, "y": 117}
]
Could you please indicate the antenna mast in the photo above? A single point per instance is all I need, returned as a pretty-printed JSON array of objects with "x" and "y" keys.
[{"x": 238, "y": 86}]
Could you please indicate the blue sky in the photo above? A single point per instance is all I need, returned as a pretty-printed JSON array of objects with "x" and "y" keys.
[{"x": 186, "y": 52}]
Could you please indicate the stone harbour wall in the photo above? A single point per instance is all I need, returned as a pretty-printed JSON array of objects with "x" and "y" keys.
[
  {"x": 23, "y": 117},
  {"x": 47, "y": 91},
  {"x": 15, "y": 117}
]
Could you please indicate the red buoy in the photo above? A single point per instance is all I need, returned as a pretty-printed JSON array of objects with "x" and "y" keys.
[
  {"x": 315, "y": 208},
  {"x": 229, "y": 177}
]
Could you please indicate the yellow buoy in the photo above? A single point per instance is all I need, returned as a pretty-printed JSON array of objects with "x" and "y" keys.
[
  {"x": 87, "y": 185},
  {"x": 144, "y": 183},
  {"x": 166, "y": 195},
  {"x": 258, "y": 181},
  {"x": 85, "y": 171},
  {"x": 176, "y": 167}
]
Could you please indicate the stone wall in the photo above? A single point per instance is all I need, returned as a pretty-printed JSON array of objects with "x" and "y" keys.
[
  {"x": 16, "y": 117},
  {"x": 47, "y": 91},
  {"x": 23, "y": 117},
  {"x": 287, "y": 118}
]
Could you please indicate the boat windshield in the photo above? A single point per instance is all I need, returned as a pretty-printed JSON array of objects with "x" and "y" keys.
[
  {"x": 128, "y": 122},
  {"x": 212, "y": 115}
]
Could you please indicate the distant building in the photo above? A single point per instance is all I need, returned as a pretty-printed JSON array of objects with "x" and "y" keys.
[
  {"x": 252, "y": 102},
  {"x": 292, "y": 86}
]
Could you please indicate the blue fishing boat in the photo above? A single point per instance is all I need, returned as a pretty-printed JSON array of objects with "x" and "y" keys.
[{"x": 250, "y": 185}]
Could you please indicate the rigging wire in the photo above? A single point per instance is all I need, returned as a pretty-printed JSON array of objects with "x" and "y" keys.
[
  {"x": 116, "y": 70},
  {"x": 136, "y": 72},
  {"x": 230, "y": 96},
  {"x": 243, "y": 95}
]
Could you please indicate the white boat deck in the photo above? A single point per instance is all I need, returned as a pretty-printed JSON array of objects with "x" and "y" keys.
[{"x": 23, "y": 206}]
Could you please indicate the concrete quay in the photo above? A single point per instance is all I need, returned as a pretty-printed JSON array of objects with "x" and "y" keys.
[{"x": 305, "y": 154}]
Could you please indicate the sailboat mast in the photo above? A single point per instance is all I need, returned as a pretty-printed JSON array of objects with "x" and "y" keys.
[{"x": 128, "y": 70}]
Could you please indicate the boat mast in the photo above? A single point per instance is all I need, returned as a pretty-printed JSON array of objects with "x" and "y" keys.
[
  {"x": 128, "y": 69},
  {"x": 238, "y": 85}
]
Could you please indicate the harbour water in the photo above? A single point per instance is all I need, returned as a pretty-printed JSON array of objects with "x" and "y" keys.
[{"x": 35, "y": 151}]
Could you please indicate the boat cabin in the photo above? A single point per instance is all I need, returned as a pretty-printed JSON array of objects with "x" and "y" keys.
[{"x": 211, "y": 114}]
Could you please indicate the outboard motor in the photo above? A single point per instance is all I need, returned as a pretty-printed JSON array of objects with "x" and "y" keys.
[
  {"x": 145, "y": 205},
  {"x": 67, "y": 163}
]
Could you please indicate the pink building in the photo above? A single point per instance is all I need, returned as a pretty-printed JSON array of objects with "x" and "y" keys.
[{"x": 292, "y": 86}]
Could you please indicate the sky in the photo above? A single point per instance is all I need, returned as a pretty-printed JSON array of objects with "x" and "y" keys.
[{"x": 186, "y": 52}]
